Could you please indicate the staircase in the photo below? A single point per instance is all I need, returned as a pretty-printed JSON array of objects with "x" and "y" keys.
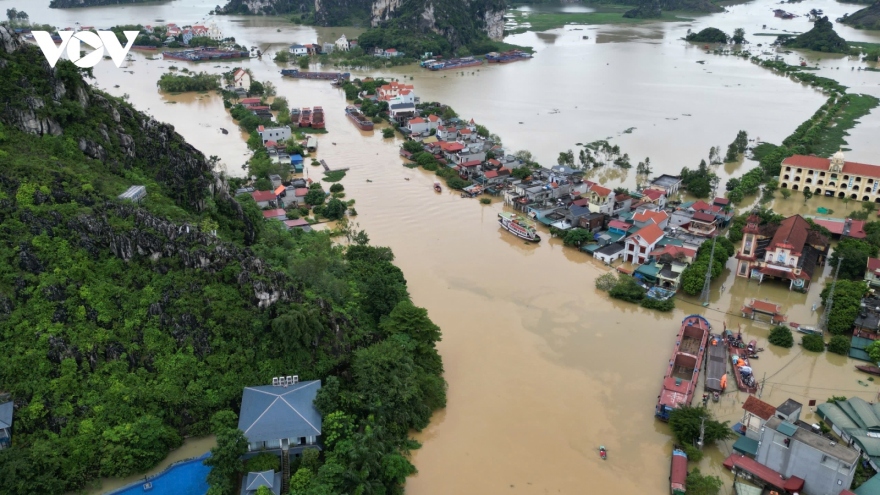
[{"x": 285, "y": 470}]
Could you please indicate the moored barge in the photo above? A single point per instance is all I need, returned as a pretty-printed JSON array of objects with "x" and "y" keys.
[
  {"x": 683, "y": 371},
  {"x": 296, "y": 74},
  {"x": 507, "y": 57},
  {"x": 359, "y": 119},
  {"x": 739, "y": 361},
  {"x": 455, "y": 63},
  {"x": 200, "y": 55},
  {"x": 317, "y": 118},
  {"x": 716, "y": 365},
  {"x": 305, "y": 117},
  {"x": 678, "y": 471}
]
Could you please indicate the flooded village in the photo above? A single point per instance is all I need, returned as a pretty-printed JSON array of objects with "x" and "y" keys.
[{"x": 543, "y": 368}]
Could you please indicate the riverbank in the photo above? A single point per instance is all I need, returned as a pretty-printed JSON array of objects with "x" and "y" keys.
[{"x": 602, "y": 14}]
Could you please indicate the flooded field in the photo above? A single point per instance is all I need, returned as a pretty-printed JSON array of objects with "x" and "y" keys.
[{"x": 542, "y": 367}]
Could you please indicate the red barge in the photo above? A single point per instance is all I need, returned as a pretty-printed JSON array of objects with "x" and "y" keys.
[
  {"x": 305, "y": 117},
  {"x": 683, "y": 371},
  {"x": 359, "y": 119},
  {"x": 317, "y": 118},
  {"x": 739, "y": 361}
]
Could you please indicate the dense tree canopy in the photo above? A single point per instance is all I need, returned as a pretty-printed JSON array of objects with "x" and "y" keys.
[
  {"x": 822, "y": 38},
  {"x": 709, "y": 35}
]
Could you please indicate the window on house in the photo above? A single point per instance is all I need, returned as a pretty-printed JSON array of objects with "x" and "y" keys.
[{"x": 742, "y": 269}]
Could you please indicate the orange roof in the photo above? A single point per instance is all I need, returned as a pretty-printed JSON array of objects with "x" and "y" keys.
[
  {"x": 654, "y": 194},
  {"x": 601, "y": 191},
  {"x": 650, "y": 234},
  {"x": 656, "y": 216},
  {"x": 465, "y": 131},
  {"x": 492, "y": 174},
  {"x": 765, "y": 307},
  {"x": 450, "y": 146},
  {"x": 278, "y": 212},
  {"x": 301, "y": 191},
  {"x": 701, "y": 205},
  {"x": 818, "y": 163},
  {"x": 417, "y": 120},
  {"x": 759, "y": 408},
  {"x": 433, "y": 118},
  {"x": 674, "y": 251},
  {"x": 873, "y": 264}
]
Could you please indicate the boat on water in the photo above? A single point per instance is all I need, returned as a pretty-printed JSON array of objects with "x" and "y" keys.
[
  {"x": 294, "y": 117},
  {"x": 198, "y": 55},
  {"x": 867, "y": 368},
  {"x": 437, "y": 187},
  {"x": 359, "y": 119},
  {"x": 739, "y": 361},
  {"x": 683, "y": 371},
  {"x": 716, "y": 365},
  {"x": 519, "y": 226},
  {"x": 305, "y": 117},
  {"x": 296, "y": 74},
  {"x": 317, "y": 118},
  {"x": 678, "y": 471},
  {"x": 455, "y": 63},
  {"x": 507, "y": 57},
  {"x": 806, "y": 329}
]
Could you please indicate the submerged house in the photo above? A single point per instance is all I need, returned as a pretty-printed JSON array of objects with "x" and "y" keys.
[{"x": 789, "y": 251}]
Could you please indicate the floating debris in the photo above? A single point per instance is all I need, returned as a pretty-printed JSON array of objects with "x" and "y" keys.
[
  {"x": 701, "y": 62},
  {"x": 686, "y": 114},
  {"x": 629, "y": 131}
]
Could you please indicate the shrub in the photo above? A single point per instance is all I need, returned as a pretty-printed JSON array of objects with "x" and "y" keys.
[
  {"x": 813, "y": 343},
  {"x": 262, "y": 462},
  {"x": 337, "y": 188},
  {"x": 628, "y": 290},
  {"x": 457, "y": 183},
  {"x": 292, "y": 214},
  {"x": 387, "y": 133},
  {"x": 781, "y": 335},
  {"x": 664, "y": 306},
  {"x": 335, "y": 209},
  {"x": 606, "y": 282},
  {"x": 839, "y": 345},
  {"x": 485, "y": 201}
]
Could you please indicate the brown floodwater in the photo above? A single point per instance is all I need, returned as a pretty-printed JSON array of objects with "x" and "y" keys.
[{"x": 543, "y": 368}]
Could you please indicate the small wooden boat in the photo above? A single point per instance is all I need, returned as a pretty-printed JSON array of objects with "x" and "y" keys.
[
  {"x": 603, "y": 453},
  {"x": 867, "y": 368},
  {"x": 437, "y": 187}
]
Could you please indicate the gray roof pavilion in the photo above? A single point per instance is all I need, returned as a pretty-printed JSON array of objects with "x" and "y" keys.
[
  {"x": 271, "y": 412},
  {"x": 270, "y": 479},
  {"x": 6, "y": 415}
]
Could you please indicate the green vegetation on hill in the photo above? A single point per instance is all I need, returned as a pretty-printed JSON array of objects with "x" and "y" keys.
[
  {"x": 822, "y": 38},
  {"x": 70, "y": 4},
  {"x": 709, "y": 35},
  {"x": 126, "y": 327},
  {"x": 867, "y": 18}
]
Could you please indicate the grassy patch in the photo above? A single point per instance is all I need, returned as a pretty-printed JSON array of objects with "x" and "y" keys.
[
  {"x": 311, "y": 130},
  {"x": 544, "y": 21},
  {"x": 334, "y": 176},
  {"x": 846, "y": 119},
  {"x": 863, "y": 44}
]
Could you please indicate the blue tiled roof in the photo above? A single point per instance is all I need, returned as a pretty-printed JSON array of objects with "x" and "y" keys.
[
  {"x": 6, "y": 415},
  {"x": 271, "y": 413}
]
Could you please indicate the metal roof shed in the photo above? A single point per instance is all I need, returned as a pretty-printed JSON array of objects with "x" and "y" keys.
[{"x": 134, "y": 193}]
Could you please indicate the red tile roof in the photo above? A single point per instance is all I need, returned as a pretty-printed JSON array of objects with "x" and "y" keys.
[
  {"x": 260, "y": 196},
  {"x": 793, "y": 484},
  {"x": 654, "y": 194},
  {"x": 245, "y": 101},
  {"x": 301, "y": 191},
  {"x": 856, "y": 229},
  {"x": 721, "y": 201},
  {"x": 491, "y": 174},
  {"x": 417, "y": 120},
  {"x": 703, "y": 217},
  {"x": 601, "y": 191},
  {"x": 873, "y": 264},
  {"x": 674, "y": 251},
  {"x": 299, "y": 222},
  {"x": 585, "y": 202},
  {"x": 765, "y": 307},
  {"x": 617, "y": 224},
  {"x": 650, "y": 234},
  {"x": 792, "y": 232},
  {"x": 494, "y": 161},
  {"x": 754, "y": 467},
  {"x": 450, "y": 146},
  {"x": 465, "y": 131},
  {"x": 759, "y": 408},
  {"x": 701, "y": 205},
  {"x": 818, "y": 163},
  {"x": 471, "y": 163},
  {"x": 656, "y": 216},
  {"x": 433, "y": 118},
  {"x": 278, "y": 212}
]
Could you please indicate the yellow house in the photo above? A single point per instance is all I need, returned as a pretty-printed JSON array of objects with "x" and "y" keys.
[{"x": 835, "y": 177}]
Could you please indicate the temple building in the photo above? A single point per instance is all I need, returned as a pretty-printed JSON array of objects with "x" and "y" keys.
[
  {"x": 835, "y": 177},
  {"x": 788, "y": 251}
]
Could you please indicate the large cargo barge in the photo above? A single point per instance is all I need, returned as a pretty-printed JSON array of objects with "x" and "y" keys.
[
  {"x": 507, "y": 57},
  {"x": 455, "y": 63},
  {"x": 683, "y": 371},
  {"x": 305, "y": 117},
  {"x": 519, "y": 226},
  {"x": 296, "y": 74},
  {"x": 359, "y": 119},
  {"x": 317, "y": 118},
  {"x": 716, "y": 365},
  {"x": 294, "y": 117},
  {"x": 199, "y": 55},
  {"x": 678, "y": 472}
]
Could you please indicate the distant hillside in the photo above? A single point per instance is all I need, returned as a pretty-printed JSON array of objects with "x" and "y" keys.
[
  {"x": 459, "y": 21},
  {"x": 822, "y": 38},
  {"x": 71, "y": 4},
  {"x": 867, "y": 18}
]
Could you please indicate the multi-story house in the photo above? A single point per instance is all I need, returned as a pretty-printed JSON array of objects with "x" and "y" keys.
[
  {"x": 601, "y": 199},
  {"x": 277, "y": 134},
  {"x": 788, "y": 251},
  {"x": 834, "y": 177},
  {"x": 638, "y": 247}
]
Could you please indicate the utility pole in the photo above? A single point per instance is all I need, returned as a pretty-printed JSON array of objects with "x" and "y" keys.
[
  {"x": 761, "y": 390},
  {"x": 704, "y": 296},
  {"x": 829, "y": 302}
]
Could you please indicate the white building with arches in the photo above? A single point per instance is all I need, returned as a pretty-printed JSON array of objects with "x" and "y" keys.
[{"x": 835, "y": 177}]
